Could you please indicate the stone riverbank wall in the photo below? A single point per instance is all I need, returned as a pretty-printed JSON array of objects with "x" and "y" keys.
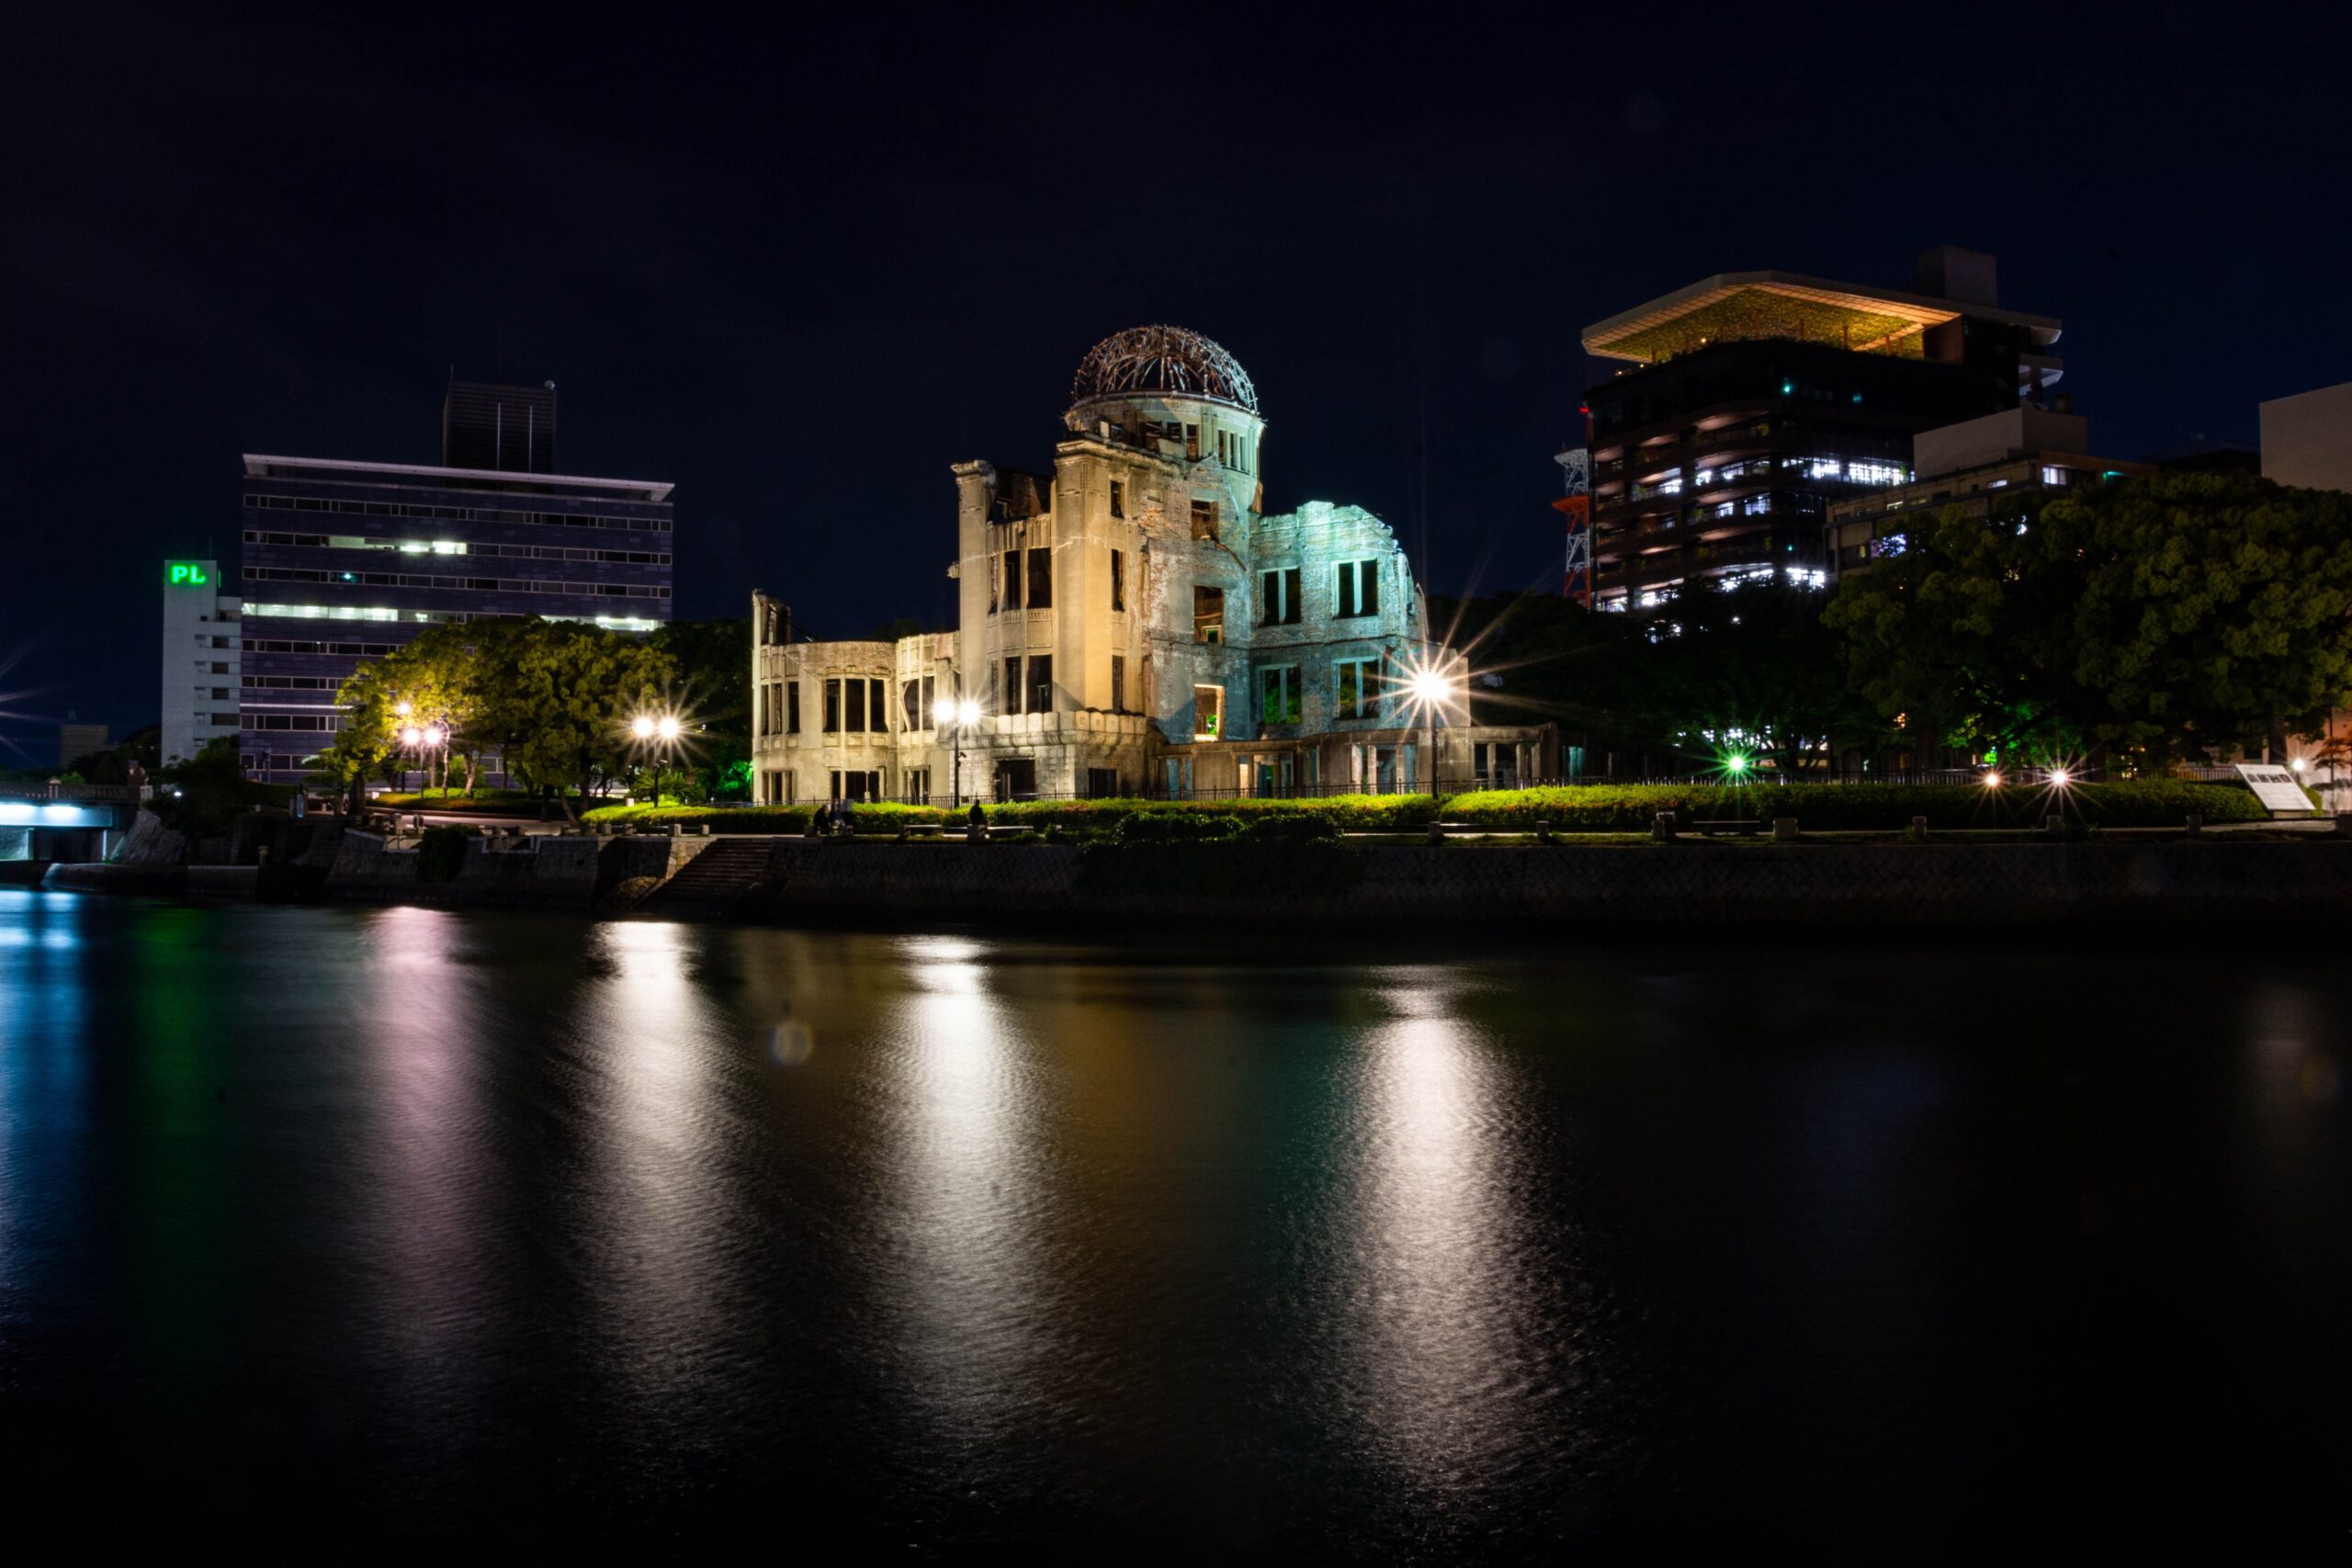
[
  {"x": 1202, "y": 888},
  {"x": 1411, "y": 886},
  {"x": 557, "y": 871}
]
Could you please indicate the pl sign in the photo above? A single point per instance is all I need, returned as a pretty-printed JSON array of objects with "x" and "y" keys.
[
  {"x": 2275, "y": 787},
  {"x": 187, "y": 574}
]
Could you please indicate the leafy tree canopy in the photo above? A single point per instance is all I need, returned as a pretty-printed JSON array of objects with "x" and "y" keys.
[{"x": 2177, "y": 616}]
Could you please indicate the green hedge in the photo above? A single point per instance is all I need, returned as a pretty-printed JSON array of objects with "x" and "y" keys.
[
  {"x": 504, "y": 801},
  {"x": 1828, "y": 807},
  {"x": 1350, "y": 812},
  {"x": 1353, "y": 813}
]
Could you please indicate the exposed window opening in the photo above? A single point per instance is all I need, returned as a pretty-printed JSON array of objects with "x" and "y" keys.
[{"x": 1208, "y": 613}]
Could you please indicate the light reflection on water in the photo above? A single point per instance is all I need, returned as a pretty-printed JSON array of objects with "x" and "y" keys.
[
  {"x": 964, "y": 1273},
  {"x": 1442, "y": 1308},
  {"x": 525, "y": 1229}
]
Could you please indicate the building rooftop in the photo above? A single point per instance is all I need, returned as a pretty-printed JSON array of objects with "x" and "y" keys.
[
  {"x": 1734, "y": 305},
  {"x": 1161, "y": 361},
  {"x": 259, "y": 465}
]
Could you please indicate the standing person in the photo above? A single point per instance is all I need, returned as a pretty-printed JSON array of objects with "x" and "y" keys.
[
  {"x": 844, "y": 819},
  {"x": 977, "y": 824}
]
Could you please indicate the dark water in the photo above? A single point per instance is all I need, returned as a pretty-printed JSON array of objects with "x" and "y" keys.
[{"x": 403, "y": 1223}]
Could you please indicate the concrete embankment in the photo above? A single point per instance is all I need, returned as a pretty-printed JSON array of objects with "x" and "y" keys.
[
  {"x": 2206, "y": 882},
  {"x": 556, "y": 871},
  {"x": 1395, "y": 886}
]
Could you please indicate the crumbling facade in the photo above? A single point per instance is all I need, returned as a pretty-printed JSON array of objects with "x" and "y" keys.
[{"x": 1134, "y": 624}]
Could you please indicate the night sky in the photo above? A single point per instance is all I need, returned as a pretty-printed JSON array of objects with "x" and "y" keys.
[{"x": 800, "y": 271}]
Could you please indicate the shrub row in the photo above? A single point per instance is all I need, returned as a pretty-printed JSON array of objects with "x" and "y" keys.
[
  {"x": 1352, "y": 813},
  {"x": 1831, "y": 807},
  {"x": 1347, "y": 813}
]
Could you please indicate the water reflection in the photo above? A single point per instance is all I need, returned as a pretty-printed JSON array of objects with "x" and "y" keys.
[
  {"x": 521, "y": 1228},
  {"x": 44, "y": 1079},
  {"x": 427, "y": 1190},
  {"x": 664, "y": 1223},
  {"x": 966, "y": 1128},
  {"x": 1446, "y": 1287}
]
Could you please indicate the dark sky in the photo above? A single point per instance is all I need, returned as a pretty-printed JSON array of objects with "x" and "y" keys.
[{"x": 799, "y": 267}]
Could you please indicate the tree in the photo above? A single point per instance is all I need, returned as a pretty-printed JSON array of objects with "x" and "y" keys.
[
  {"x": 575, "y": 687},
  {"x": 1746, "y": 669},
  {"x": 714, "y": 697},
  {"x": 2215, "y": 609},
  {"x": 2175, "y": 616},
  {"x": 369, "y": 730},
  {"x": 1945, "y": 638}
]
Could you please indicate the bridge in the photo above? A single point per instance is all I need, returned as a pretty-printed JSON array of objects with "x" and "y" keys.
[{"x": 41, "y": 823}]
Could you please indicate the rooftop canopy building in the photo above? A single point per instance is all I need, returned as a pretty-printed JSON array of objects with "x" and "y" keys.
[
  {"x": 1132, "y": 622},
  {"x": 1751, "y": 401}
]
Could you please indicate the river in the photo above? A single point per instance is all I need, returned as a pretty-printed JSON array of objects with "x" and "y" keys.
[{"x": 407, "y": 1223}]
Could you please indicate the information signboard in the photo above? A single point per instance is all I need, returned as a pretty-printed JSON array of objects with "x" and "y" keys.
[{"x": 2276, "y": 787}]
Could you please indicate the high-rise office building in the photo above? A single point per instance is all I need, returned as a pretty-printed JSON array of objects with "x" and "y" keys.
[
  {"x": 1753, "y": 401},
  {"x": 203, "y": 659},
  {"x": 348, "y": 560}
]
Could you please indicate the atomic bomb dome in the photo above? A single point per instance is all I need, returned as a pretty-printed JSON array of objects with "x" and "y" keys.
[{"x": 1161, "y": 361}]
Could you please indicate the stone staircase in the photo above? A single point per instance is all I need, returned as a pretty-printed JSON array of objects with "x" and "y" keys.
[{"x": 718, "y": 877}]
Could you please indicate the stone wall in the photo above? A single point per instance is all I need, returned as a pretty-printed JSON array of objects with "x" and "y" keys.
[
  {"x": 1742, "y": 886},
  {"x": 542, "y": 869}
]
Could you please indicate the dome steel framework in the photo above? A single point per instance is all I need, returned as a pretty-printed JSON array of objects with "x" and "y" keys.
[{"x": 1169, "y": 361}]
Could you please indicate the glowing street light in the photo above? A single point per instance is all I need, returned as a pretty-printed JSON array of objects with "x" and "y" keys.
[
  {"x": 411, "y": 736},
  {"x": 1735, "y": 764},
  {"x": 658, "y": 730},
  {"x": 956, "y": 714},
  {"x": 1431, "y": 687},
  {"x": 1992, "y": 781},
  {"x": 2060, "y": 778}
]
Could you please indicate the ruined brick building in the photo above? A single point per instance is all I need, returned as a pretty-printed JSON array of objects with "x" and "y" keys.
[{"x": 1134, "y": 623}]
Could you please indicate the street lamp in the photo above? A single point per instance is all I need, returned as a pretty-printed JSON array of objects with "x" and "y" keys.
[
  {"x": 661, "y": 730},
  {"x": 1430, "y": 688},
  {"x": 956, "y": 714}
]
